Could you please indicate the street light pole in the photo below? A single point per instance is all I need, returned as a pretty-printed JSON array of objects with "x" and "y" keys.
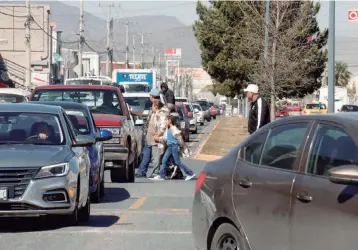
[{"x": 331, "y": 55}]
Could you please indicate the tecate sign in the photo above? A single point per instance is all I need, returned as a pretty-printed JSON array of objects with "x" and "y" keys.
[
  {"x": 173, "y": 52},
  {"x": 353, "y": 15},
  {"x": 135, "y": 77}
]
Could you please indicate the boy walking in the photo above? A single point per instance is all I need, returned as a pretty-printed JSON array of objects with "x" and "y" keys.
[{"x": 175, "y": 144}]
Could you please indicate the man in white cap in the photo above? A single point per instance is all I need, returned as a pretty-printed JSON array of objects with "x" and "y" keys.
[{"x": 259, "y": 111}]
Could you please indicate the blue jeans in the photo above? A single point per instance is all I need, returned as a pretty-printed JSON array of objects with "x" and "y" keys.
[
  {"x": 146, "y": 158},
  {"x": 173, "y": 150}
]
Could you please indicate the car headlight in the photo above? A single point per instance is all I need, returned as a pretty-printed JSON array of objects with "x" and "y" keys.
[{"x": 53, "y": 171}]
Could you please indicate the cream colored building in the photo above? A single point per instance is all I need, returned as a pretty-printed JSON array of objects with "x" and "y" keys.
[{"x": 12, "y": 42}]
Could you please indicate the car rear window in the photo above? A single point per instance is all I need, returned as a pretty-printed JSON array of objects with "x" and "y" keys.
[{"x": 350, "y": 107}]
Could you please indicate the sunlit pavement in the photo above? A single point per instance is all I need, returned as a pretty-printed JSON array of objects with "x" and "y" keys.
[{"x": 141, "y": 215}]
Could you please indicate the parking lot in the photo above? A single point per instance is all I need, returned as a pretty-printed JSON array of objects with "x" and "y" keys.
[{"x": 140, "y": 215}]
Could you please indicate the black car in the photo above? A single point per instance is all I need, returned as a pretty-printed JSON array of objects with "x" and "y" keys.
[
  {"x": 349, "y": 108},
  {"x": 183, "y": 123}
]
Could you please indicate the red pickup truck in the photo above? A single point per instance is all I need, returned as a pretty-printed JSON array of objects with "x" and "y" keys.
[{"x": 110, "y": 112}]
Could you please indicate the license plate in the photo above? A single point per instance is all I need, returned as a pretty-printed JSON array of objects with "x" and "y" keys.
[{"x": 3, "y": 193}]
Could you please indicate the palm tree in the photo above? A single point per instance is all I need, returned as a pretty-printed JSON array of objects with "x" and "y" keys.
[{"x": 343, "y": 75}]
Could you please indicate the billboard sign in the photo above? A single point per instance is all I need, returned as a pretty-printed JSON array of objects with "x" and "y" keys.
[
  {"x": 135, "y": 77},
  {"x": 353, "y": 15},
  {"x": 173, "y": 53}
]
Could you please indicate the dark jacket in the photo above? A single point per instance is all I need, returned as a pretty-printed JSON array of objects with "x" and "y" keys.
[
  {"x": 259, "y": 115},
  {"x": 169, "y": 96}
]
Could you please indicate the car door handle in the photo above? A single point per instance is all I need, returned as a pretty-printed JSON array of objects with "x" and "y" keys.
[
  {"x": 304, "y": 197},
  {"x": 245, "y": 183}
]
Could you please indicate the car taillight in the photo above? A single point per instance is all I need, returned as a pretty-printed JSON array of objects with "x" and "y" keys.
[{"x": 200, "y": 181}]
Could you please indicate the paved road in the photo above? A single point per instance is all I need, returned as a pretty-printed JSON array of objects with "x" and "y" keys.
[{"x": 140, "y": 215}]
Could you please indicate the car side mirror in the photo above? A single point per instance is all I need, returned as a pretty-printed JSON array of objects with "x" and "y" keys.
[
  {"x": 345, "y": 175},
  {"x": 84, "y": 141},
  {"x": 139, "y": 122},
  {"x": 104, "y": 135}
]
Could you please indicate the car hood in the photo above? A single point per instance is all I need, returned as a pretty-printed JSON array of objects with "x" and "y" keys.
[
  {"x": 32, "y": 155},
  {"x": 108, "y": 120}
]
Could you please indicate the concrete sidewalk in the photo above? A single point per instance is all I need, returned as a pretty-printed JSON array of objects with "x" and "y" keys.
[{"x": 228, "y": 133}]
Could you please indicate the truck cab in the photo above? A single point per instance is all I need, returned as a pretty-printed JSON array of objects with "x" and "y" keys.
[{"x": 110, "y": 112}]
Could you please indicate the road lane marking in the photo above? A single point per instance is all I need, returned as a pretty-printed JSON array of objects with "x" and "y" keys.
[
  {"x": 138, "y": 203},
  {"x": 122, "y": 218},
  {"x": 174, "y": 210}
]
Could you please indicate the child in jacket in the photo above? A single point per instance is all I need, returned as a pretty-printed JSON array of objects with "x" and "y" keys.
[{"x": 175, "y": 144}]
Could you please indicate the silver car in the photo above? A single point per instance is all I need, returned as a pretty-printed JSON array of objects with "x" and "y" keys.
[{"x": 44, "y": 164}]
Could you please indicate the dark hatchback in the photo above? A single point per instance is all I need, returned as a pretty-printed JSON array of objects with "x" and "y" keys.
[
  {"x": 292, "y": 185},
  {"x": 349, "y": 108}
]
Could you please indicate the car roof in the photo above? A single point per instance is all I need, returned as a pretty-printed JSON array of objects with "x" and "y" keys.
[
  {"x": 63, "y": 104},
  {"x": 350, "y": 118},
  {"x": 29, "y": 107},
  {"x": 79, "y": 86}
]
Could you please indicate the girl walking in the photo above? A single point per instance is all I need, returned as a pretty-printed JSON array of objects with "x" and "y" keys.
[{"x": 175, "y": 144}]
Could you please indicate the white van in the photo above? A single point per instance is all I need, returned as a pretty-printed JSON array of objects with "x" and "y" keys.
[
  {"x": 89, "y": 80},
  {"x": 12, "y": 95}
]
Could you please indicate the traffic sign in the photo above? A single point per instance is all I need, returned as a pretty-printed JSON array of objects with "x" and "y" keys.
[{"x": 353, "y": 15}]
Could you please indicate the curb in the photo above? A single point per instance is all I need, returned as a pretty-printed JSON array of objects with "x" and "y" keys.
[{"x": 202, "y": 145}]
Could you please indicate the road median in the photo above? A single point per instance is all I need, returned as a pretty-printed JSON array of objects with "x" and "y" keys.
[{"x": 227, "y": 133}]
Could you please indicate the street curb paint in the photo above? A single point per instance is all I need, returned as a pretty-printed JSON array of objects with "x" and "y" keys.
[
  {"x": 203, "y": 157},
  {"x": 206, "y": 140}
]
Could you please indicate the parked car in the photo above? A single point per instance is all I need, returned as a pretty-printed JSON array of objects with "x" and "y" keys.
[
  {"x": 192, "y": 118},
  {"x": 205, "y": 107},
  {"x": 348, "y": 108},
  {"x": 294, "y": 108},
  {"x": 12, "y": 95},
  {"x": 199, "y": 113},
  {"x": 314, "y": 108},
  {"x": 44, "y": 164},
  {"x": 281, "y": 111},
  {"x": 290, "y": 185},
  {"x": 110, "y": 112},
  {"x": 83, "y": 123},
  {"x": 184, "y": 123}
]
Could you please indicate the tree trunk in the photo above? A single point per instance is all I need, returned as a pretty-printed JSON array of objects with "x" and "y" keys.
[{"x": 274, "y": 44}]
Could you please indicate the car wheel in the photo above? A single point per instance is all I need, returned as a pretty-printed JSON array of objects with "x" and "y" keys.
[
  {"x": 102, "y": 187},
  {"x": 119, "y": 175},
  {"x": 202, "y": 124},
  {"x": 84, "y": 213},
  {"x": 226, "y": 237},
  {"x": 131, "y": 169},
  {"x": 214, "y": 117},
  {"x": 96, "y": 196}
]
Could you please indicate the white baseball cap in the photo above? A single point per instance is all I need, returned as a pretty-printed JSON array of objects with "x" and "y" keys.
[{"x": 253, "y": 88}]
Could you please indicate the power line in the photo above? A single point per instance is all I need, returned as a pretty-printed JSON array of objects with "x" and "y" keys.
[{"x": 6, "y": 14}]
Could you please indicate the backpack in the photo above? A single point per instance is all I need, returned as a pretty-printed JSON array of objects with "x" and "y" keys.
[{"x": 174, "y": 173}]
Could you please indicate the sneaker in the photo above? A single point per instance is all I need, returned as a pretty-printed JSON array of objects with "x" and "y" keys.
[
  {"x": 190, "y": 177},
  {"x": 174, "y": 172},
  {"x": 156, "y": 178}
]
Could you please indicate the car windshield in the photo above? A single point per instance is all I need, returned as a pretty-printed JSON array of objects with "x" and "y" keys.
[
  {"x": 142, "y": 88},
  {"x": 98, "y": 101},
  {"x": 189, "y": 107},
  {"x": 197, "y": 106},
  {"x": 30, "y": 128},
  {"x": 11, "y": 98},
  {"x": 83, "y": 81},
  {"x": 142, "y": 102},
  {"x": 79, "y": 121},
  {"x": 350, "y": 107}
]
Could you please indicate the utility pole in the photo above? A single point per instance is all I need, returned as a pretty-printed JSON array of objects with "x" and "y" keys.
[
  {"x": 109, "y": 44},
  {"x": 80, "y": 48},
  {"x": 142, "y": 52},
  {"x": 153, "y": 57},
  {"x": 133, "y": 43},
  {"x": 160, "y": 64},
  {"x": 28, "y": 46},
  {"x": 331, "y": 56},
  {"x": 127, "y": 46}
]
